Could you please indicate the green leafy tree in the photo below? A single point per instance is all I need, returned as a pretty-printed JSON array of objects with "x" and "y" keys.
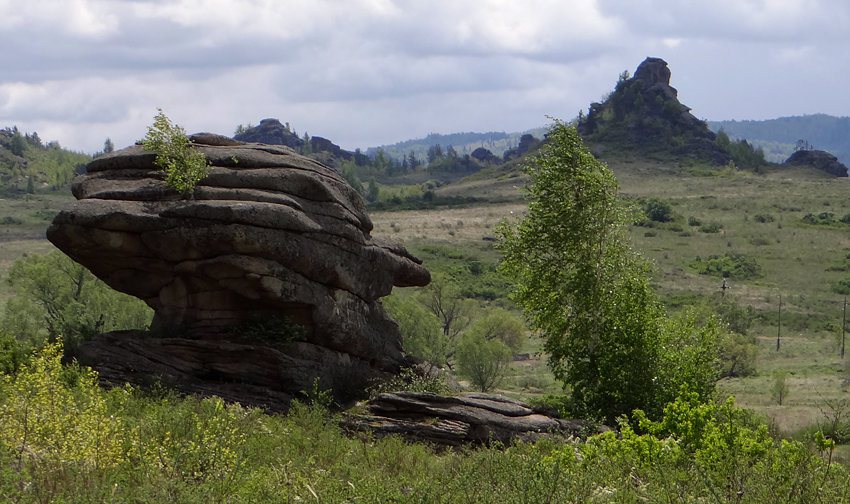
[
  {"x": 481, "y": 360},
  {"x": 420, "y": 330},
  {"x": 779, "y": 390},
  {"x": 373, "y": 191},
  {"x": 584, "y": 288},
  {"x": 444, "y": 300},
  {"x": 108, "y": 146},
  {"x": 182, "y": 165},
  {"x": 307, "y": 148},
  {"x": 658, "y": 210},
  {"x": 502, "y": 325},
  {"x": 56, "y": 296},
  {"x": 18, "y": 144}
]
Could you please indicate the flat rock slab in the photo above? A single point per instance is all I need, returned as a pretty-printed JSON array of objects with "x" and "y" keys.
[{"x": 468, "y": 418}]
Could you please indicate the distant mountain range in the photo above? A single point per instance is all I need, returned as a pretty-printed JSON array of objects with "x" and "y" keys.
[{"x": 778, "y": 137}]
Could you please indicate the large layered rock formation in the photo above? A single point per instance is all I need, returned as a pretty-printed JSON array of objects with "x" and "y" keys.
[{"x": 269, "y": 236}]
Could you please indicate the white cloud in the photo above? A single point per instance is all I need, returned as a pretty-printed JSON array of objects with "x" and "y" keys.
[{"x": 363, "y": 72}]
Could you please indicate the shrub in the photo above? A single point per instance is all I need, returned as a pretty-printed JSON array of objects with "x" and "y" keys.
[
  {"x": 45, "y": 417},
  {"x": 729, "y": 265},
  {"x": 658, "y": 210},
  {"x": 711, "y": 228},
  {"x": 821, "y": 219},
  {"x": 182, "y": 165},
  {"x": 842, "y": 286},
  {"x": 763, "y": 218}
]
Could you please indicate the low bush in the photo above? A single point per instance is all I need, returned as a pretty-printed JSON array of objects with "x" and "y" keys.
[
  {"x": 821, "y": 219},
  {"x": 729, "y": 265}
]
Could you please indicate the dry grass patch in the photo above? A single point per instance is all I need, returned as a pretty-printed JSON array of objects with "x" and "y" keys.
[{"x": 445, "y": 224}]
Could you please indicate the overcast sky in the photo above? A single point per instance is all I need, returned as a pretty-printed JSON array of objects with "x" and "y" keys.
[{"x": 369, "y": 72}]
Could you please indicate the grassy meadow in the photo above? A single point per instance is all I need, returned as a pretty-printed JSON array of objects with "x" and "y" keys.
[
  {"x": 131, "y": 445},
  {"x": 758, "y": 215}
]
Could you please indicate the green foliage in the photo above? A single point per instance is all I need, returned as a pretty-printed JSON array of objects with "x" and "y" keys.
[
  {"x": 697, "y": 452},
  {"x": 83, "y": 444},
  {"x": 744, "y": 155},
  {"x": 43, "y": 418},
  {"x": 820, "y": 219},
  {"x": 738, "y": 319},
  {"x": 841, "y": 286},
  {"x": 452, "y": 310},
  {"x": 35, "y": 164},
  {"x": 586, "y": 290},
  {"x": 481, "y": 360},
  {"x": 58, "y": 297},
  {"x": 729, "y": 265},
  {"x": 779, "y": 389},
  {"x": 688, "y": 356},
  {"x": 413, "y": 380},
  {"x": 738, "y": 353},
  {"x": 499, "y": 324},
  {"x": 658, "y": 210},
  {"x": 420, "y": 329},
  {"x": 374, "y": 191},
  {"x": 710, "y": 228},
  {"x": 182, "y": 165}
]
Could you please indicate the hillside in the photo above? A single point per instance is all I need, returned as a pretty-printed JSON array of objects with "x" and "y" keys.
[
  {"x": 26, "y": 164},
  {"x": 496, "y": 142},
  {"x": 779, "y": 137}
]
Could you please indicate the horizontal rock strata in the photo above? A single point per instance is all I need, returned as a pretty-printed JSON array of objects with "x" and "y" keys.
[
  {"x": 267, "y": 234},
  {"x": 468, "y": 418}
]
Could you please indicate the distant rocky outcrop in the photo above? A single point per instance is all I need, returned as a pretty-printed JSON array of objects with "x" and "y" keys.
[
  {"x": 643, "y": 113},
  {"x": 271, "y": 240},
  {"x": 526, "y": 142},
  {"x": 468, "y": 418},
  {"x": 821, "y": 160},
  {"x": 484, "y": 155},
  {"x": 272, "y": 132}
]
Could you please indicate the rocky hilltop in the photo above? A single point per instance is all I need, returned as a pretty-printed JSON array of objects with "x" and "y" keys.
[
  {"x": 644, "y": 114},
  {"x": 819, "y": 159},
  {"x": 265, "y": 280}
]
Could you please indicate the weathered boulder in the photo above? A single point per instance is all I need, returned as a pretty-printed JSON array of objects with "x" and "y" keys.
[
  {"x": 468, "y": 418},
  {"x": 821, "y": 160},
  {"x": 268, "y": 235}
]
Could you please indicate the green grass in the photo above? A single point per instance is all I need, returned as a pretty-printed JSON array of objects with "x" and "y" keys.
[
  {"x": 760, "y": 217},
  {"x": 303, "y": 456},
  {"x": 127, "y": 445}
]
